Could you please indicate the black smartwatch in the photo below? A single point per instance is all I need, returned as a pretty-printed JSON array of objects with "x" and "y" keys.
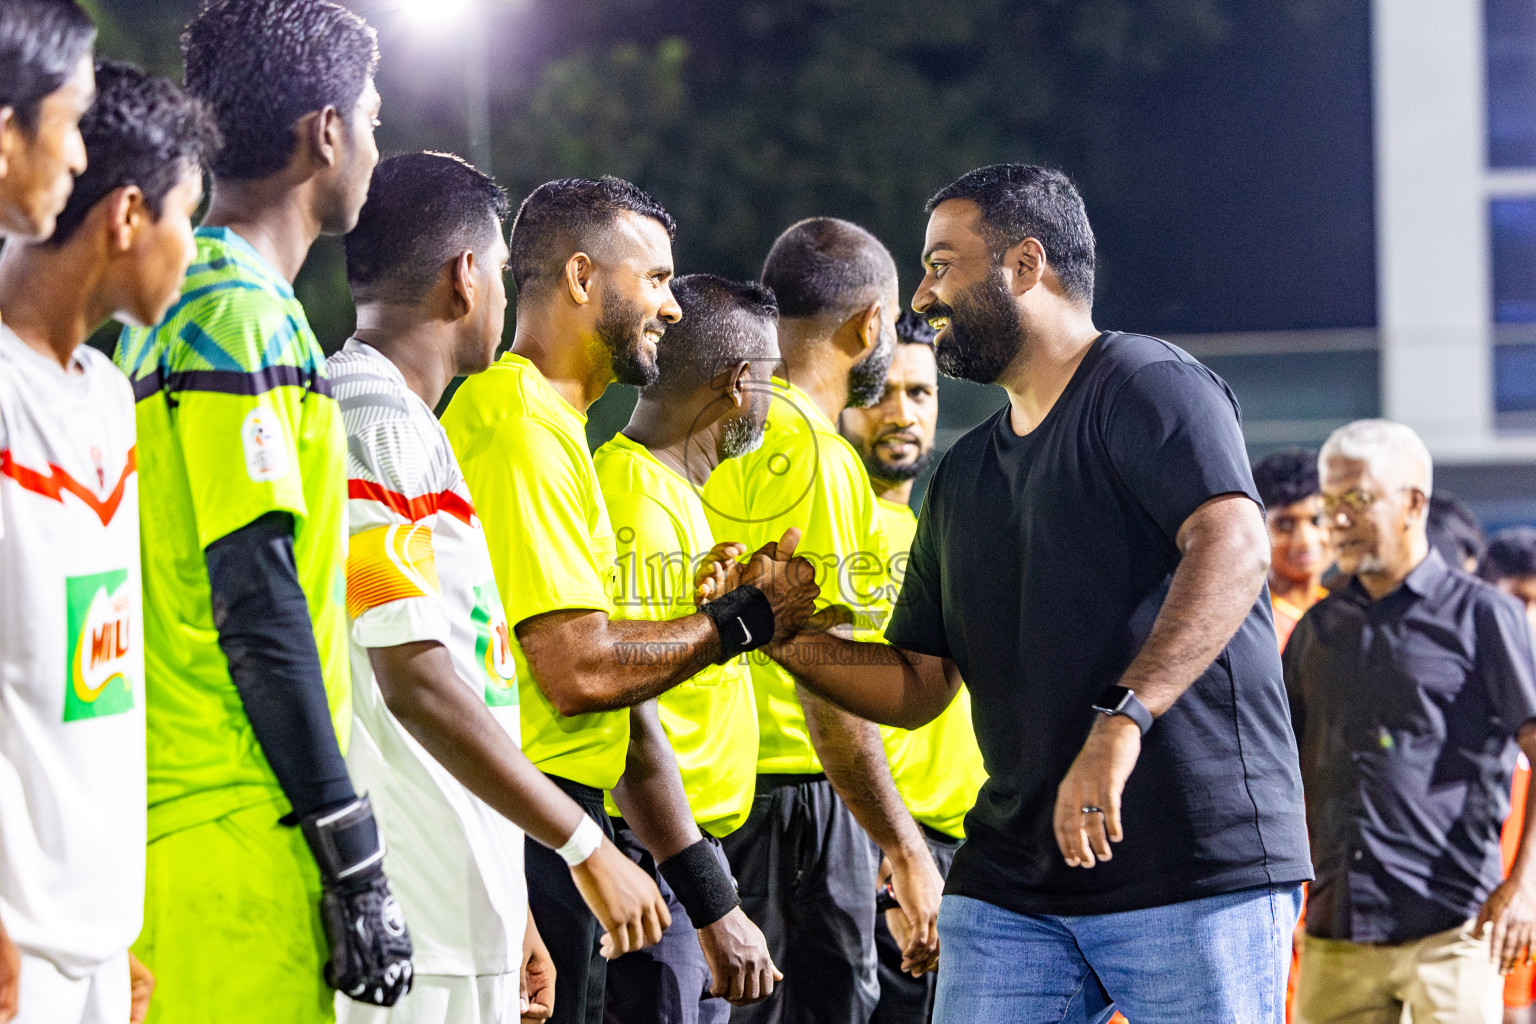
[{"x": 1117, "y": 700}]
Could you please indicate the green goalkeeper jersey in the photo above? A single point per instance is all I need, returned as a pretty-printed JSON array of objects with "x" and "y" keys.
[{"x": 235, "y": 420}]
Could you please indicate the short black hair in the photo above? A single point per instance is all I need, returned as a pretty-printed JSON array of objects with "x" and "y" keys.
[
  {"x": 912, "y": 328},
  {"x": 1020, "y": 201},
  {"x": 423, "y": 210},
  {"x": 823, "y": 266},
  {"x": 565, "y": 216},
  {"x": 1511, "y": 552},
  {"x": 264, "y": 64},
  {"x": 1286, "y": 477},
  {"x": 715, "y": 332},
  {"x": 142, "y": 130},
  {"x": 1454, "y": 530},
  {"x": 41, "y": 41}
]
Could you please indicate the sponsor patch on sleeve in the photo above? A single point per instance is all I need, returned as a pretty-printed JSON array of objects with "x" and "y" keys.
[{"x": 261, "y": 437}]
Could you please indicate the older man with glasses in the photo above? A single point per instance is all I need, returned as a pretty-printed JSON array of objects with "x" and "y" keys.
[{"x": 1411, "y": 691}]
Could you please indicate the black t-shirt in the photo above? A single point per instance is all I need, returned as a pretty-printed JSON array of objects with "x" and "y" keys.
[{"x": 1039, "y": 566}]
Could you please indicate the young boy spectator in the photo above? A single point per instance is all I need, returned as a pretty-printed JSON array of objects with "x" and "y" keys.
[{"x": 1299, "y": 552}]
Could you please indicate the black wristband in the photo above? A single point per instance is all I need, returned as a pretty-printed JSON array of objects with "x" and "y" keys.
[
  {"x": 885, "y": 898},
  {"x": 744, "y": 620},
  {"x": 700, "y": 883},
  {"x": 346, "y": 844}
]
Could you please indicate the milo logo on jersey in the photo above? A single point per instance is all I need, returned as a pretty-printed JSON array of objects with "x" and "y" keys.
[
  {"x": 100, "y": 610},
  {"x": 493, "y": 647}
]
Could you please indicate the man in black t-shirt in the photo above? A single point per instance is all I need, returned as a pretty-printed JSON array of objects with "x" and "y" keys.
[{"x": 1091, "y": 560}]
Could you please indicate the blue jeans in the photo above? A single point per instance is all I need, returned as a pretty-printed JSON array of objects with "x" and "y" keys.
[{"x": 1218, "y": 960}]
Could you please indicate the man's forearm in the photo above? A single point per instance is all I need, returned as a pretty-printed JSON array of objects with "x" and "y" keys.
[
  {"x": 650, "y": 793},
  {"x": 646, "y": 659},
  {"x": 264, "y": 630},
  {"x": 854, "y": 759},
  {"x": 874, "y": 681},
  {"x": 424, "y": 693},
  {"x": 1214, "y": 587},
  {"x": 584, "y": 661}
]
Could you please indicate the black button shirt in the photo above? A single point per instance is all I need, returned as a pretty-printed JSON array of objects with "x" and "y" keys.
[{"x": 1406, "y": 709}]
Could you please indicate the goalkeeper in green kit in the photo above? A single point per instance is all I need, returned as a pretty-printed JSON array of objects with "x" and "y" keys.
[{"x": 265, "y": 886}]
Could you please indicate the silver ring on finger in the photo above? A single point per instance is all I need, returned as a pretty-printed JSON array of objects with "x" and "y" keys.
[{"x": 1093, "y": 810}]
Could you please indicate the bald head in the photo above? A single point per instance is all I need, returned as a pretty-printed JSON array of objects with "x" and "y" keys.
[{"x": 829, "y": 268}]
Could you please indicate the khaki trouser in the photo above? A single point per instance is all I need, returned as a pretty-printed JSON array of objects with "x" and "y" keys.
[{"x": 1441, "y": 979}]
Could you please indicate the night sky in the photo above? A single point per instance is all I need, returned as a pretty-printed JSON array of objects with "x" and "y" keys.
[{"x": 1248, "y": 204}]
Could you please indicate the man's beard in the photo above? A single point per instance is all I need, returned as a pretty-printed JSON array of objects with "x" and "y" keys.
[
  {"x": 622, "y": 329},
  {"x": 879, "y": 470},
  {"x": 866, "y": 381},
  {"x": 985, "y": 332},
  {"x": 739, "y": 436}
]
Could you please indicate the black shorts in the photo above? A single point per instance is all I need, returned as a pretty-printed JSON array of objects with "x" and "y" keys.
[{"x": 806, "y": 876}]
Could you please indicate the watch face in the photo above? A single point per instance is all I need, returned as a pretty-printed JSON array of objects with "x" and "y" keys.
[{"x": 1112, "y": 701}]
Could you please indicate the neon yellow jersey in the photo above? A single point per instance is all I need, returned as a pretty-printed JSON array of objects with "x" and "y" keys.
[
  {"x": 937, "y": 768},
  {"x": 523, "y": 450},
  {"x": 806, "y": 475},
  {"x": 661, "y": 532},
  {"x": 235, "y": 420}
]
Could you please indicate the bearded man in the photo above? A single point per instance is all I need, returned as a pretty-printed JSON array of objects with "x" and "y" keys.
[
  {"x": 592, "y": 262},
  {"x": 1091, "y": 561}
]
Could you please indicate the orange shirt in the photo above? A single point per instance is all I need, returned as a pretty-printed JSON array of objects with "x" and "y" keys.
[
  {"x": 1519, "y": 983},
  {"x": 1287, "y": 614}
]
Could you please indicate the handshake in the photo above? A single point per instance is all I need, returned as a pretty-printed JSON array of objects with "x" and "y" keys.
[{"x": 766, "y": 599}]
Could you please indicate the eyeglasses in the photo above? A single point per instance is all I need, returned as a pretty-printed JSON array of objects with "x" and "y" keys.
[{"x": 1353, "y": 501}]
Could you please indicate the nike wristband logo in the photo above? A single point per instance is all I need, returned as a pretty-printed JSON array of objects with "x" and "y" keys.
[{"x": 744, "y": 630}]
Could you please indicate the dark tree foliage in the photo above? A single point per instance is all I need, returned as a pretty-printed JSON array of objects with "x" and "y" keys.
[{"x": 743, "y": 116}]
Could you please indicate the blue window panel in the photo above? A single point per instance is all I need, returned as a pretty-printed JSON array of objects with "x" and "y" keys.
[
  {"x": 1512, "y": 232},
  {"x": 1514, "y": 378},
  {"x": 1511, "y": 69}
]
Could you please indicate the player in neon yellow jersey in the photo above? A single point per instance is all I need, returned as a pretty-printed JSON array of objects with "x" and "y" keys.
[
  {"x": 436, "y": 727},
  {"x": 242, "y": 457},
  {"x": 802, "y": 861},
  {"x": 708, "y": 405},
  {"x": 592, "y": 262},
  {"x": 937, "y": 768}
]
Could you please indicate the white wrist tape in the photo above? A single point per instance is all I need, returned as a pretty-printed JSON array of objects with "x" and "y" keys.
[{"x": 583, "y": 842}]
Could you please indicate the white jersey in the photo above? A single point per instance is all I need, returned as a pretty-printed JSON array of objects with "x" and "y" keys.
[
  {"x": 71, "y": 660},
  {"x": 418, "y": 569}
]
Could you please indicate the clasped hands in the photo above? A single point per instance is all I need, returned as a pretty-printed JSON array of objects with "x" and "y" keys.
[{"x": 787, "y": 580}]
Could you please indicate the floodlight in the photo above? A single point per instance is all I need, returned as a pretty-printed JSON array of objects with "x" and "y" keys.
[{"x": 437, "y": 15}]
